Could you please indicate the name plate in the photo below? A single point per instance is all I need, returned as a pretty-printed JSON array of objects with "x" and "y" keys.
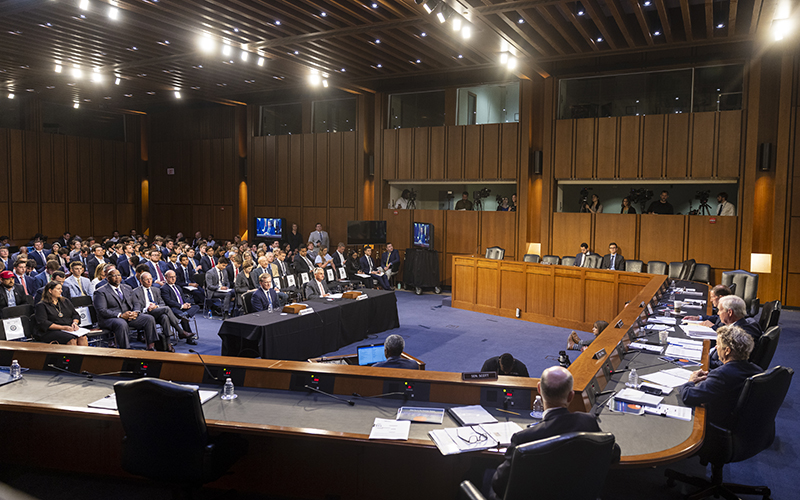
[
  {"x": 363, "y": 296},
  {"x": 307, "y": 310},
  {"x": 599, "y": 354},
  {"x": 479, "y": 376}
]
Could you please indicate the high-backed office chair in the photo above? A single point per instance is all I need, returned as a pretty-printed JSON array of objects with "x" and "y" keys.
[
  {"x": 688, "y": 269},
  {"x": 634, "y": 266},
  {"x": 531, "y": 257},
  {"x": 548, "y": 468},
  {"x": 550, "y": 259},
  {"x": 765, "y": 347},
  {"x": 247, "y": 301},
  {"x": 496, "y": 253},
  {"x": 164, "y": 426},
  {"x": 593, "y": 260},
  {"x": 568, "y": 260},
  {"x": 770, "y": 314},
  {"x": 746, "y": 288},
  {"x": 675, "y": 270},
  {"x": 702, "y": 273},
  {"x": 752, "y": 431},
  {"x": 657, "y": 267}
]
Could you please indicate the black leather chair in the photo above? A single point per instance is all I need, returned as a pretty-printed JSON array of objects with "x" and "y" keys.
[
  {"x": 531, "y": 257},
  {"x": 752, "y": 431},
  {"x": 247, "y": 301},
  {"x": 702, "y": 273},
  {"x": 570, "y": 466},
  {"x": 568, "y": 260},
  {"x": 634, "y": 266},
  {"x": 770, "y": 315},
  {"x": 657, "y": 267},
  {"x": 593, "y": 260},
  {"x": 746, "y": 288},
  {"x": 496, "y": 253},
  {"x": 164, "y": 427},
  {"x": 550, "y": 259},
  {"x": 675, "y": 270},
  {"x": 765, "y": 347},
  {"x": 687, "y": 271}
]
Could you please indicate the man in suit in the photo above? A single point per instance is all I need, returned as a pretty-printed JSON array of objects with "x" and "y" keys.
[
  {"x": 390, "y": 261},
  {"x": 13, "y": 294},
  {"x": 733, "y": 312},
  {"x": 555, "y": 387},
  {"x": 613, "y": 260},
  {"x": 725, "y": 208},
  {"x": 172, "y": 262},
  {"x": 124, "y": 263},
  {"x": 368, "y": 267},
  {"x": 262, "y": 267},
  {"x": 218, "y": 287},
  {"x": 319, "y": 237},
  {"x": 175, "y": 299},
  {"x": 719, "y": 389},
  {"x": 302, "y": 264},
  {"x": 157, "y": 268},
  {"x": 185, "y": 278},
  {"x": 46, "y": 276},
  {"x": 59, "y": 277},
  {"x": 505, "y": 364},
  {"x": 712, "y": 320},
  {"x": 118, "y": 311},
  {"x": 317, "y": 288},
  {"x": 64, "y": 240},
  {"x": 39, "y": 255},
  {"x": 22, "y": 279},
  {"x": 393, "y": 349},
  {"x": 153, "y": 304},
  {"x": 282, "y": 266},
  {"x": 135, "y": 281},
  {"x": 264, "y": 295},
  {"x": 208, "y": 261},
  {"x": 339, "y": 257},
  {"x": 98, "y": 257},
  {"x": 168, "y": 248},
  {"x": 580, "y": 259},
  {"x": 77, "y": 285},
  {"x": 5, "y": 259}
]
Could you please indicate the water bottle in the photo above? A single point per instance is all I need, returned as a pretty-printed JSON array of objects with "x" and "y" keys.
[
  {"x": 227, "y": 391},
  {"x": 15, "y": 371},
  {"x": 538, "y": 408},
  {"x": 270, "y": 308},
  {"x": 633, "y": 379},
  {"x": 210, "y": 314}
]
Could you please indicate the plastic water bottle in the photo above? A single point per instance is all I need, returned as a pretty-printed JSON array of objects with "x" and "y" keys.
[
  {"x": 210, "y": 314},
  {"x": 227, "y": 391},
  {"x": 15, "y": 371},
  {"x": 270, "y": 308},
  {"x": 538, "y": 408},
  {"x": 633, "y": 379}
]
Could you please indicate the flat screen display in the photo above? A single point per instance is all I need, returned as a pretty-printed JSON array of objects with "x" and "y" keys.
[
  {"x": 423, "y": 235},
  {"x": 370, "y": 354},
  {"x": 269, "y": 227},
  {"x": 366, "y": 232}
]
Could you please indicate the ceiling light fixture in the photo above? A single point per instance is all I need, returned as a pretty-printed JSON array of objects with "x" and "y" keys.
[
  {"x": 76, "y": 105},
  {"x": 226, "y": 49},
  {"x": 243, "y": 56},
  {"x": 84, "y": 5},
  {"x": 466, "y": 32},
  {"x": 457, "y": 24},
  {"x": 720, "y": 26},
  {"x": 325, "y": 83},
  {"x": 277, "y": 22},
  {"x": 58, "y": 68},
  {"x": 113, "y": 13},
  {"x": 206, "y": 43},
  {"x": 423, "y": 34},
  {"x": 512, "y": 63},
  {"x": 323, "y": 14},
  {"x": 260, "y": 61},
  {"x": 10, "y": 95},
  {"x": 117, "y": 81},
  {"x": 76, "y": 71},
  {"x": 314, "y": 78},
  {"x": 430, "y": 5},
  {"x": 177, "y": 94},
  {"x": 374, "y": 5}
]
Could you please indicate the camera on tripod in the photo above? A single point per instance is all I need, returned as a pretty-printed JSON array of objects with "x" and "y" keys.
[
  {"x": 702, "y": 196},
  {"x": 641, "y": 196},
  {"x": 583, "y": 198},
  {"x": 483, "y": 193}
]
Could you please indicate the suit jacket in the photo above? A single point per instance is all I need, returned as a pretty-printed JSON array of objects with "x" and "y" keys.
[
  {"x": 556, "y": 421},
  {"x": 184, "y": 278},
  {"x": 173, "y": 301},
  {"x": 40, "y": 261},
  {"x": 397, "y": 362},
  {"x": 619, "y": 262},
  {"x": 91, "y": 265},
  {"x": 152, "y": 265},
  {"x": 282, "y": 267},
  {"x": 213, "y": 282},
  {"x": 140, "y": 295},
  {"x": 339, "y": 260},
  {"x": 40, "y": 280},
  {"x": 7, "y": 263},
  {"x": 300, "y": 264},
  {"x": 579, "y": 259},
  {"x": 365, "y": 265},
  {"x": 231, "y": 276},
  {"x": 312, "y": 290},
  {"x": 71, "y": 284},
  {"x": 391, "y": 260},
  {"x": 29, "y": 283},
  {"x": 124, "y": 267},
  {"x": 321, "y": 236},
  {"x": 38, "y": 297},
  {"x": 205, "y": 263},
  {"x": 132, "y": 282},
  {"x": 108, "y": 304},
  {"x": 493, "y": 365},
  {"x": 720, "y": 391},
  {"x": 19, "y": 296},
  {"x": 260, "y": 301}
]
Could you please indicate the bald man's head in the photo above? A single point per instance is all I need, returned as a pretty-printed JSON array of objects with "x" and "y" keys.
[{"x": 555, "y": 387}]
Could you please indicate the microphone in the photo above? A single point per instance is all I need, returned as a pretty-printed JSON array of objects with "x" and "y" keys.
[
  {"x": 329, "y": 395},
  {"x": 380, "y": 395},
  {"x": 51, "y": 365},
  {"x": 204, "y": 365},
  {"x": 91, "y": 375}
]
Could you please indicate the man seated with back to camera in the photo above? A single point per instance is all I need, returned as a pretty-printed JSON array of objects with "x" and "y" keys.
[
  {"x": 733, "y": 311},
  {"x": 393, "y": 349},
  {"x": 712, "y": 321},
  {"x": 505, "y": 364},
  {"x": 555, "y": 387},
  {"x": 574, "y": 343}
]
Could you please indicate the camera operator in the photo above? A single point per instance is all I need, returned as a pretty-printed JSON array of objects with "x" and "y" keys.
[
  {"x": 464, "y": 203},
  {"x": 595, "y": 207},
  {"x": 402, "y": 202},
  {"x": 661, "y": 206},
  {"x": 725, "y": 208}
]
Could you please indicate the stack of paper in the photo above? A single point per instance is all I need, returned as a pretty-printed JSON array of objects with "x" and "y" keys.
[
  {"x": 698, "y": 331},
  {"x": 646, "y": 347},
  {"x": 661, "y": 320},
  {"x": 390, "y": 429},
  {"x": 673, "y": 377},
  {"x": 638, "y": 397},
  {"x": 685, "y": 348},
  {"x": 471, "y": 415},
  {"x": 680, "y": 412},
  {"x": 473, "y": 438}
]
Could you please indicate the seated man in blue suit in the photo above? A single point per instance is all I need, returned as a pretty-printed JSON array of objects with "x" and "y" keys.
[
  {"x": 119, "y": 312},
  {"x": 264, "y": 295},
  {"x": 368, "y": 267},
  {"x": 45, "y": 276},
  {"x": 21, "y": 278},
  {"x": 733, "y": 312},
  {"x": 393, "y": 349},
  {"x": 174, "y": 298},
  {"x": 390, "y": 260},
  {"x": 39, "y": 255},
  {"x": 157, "y": 268},
  {"x": 58, "y": 276},
  {"x": 555, "y": 387},
  {"x": 185, "y": 278}
]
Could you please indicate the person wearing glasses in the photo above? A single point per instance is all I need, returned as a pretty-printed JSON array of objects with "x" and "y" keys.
[{"x": 555, "y": 387}]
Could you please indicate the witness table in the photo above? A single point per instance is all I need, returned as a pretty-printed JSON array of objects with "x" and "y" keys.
[{"x": 332, "y": 325}]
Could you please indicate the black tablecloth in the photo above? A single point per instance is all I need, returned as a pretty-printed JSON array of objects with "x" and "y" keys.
[
  {"x": 421, "y": 268},
  {"x": 332, "y": 325}
]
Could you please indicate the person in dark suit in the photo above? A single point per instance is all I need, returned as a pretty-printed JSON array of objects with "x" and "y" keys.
[
  {"x": 264, "y": 295},
  {"x": 733, "y": 312},
  {"x": 712, "y": 320},
  {"x": 135, "y": 280},
  {"x": 98, "y": 257},
  {"x": 393, "y": 349},
  {"x": 581, "y": 257},
  {"x": 13, "y": 294},
  {"x": 368, "y": 267},
  {"x": 64, "y": 239},
  {"x": 505, "y": 364},
  {"x": 127, "y": 262},
  {"x": 153, "y": 304},
  {"x": 218, "y": 287},
  {"x": 174, "y": 298},
  {"x": 555, "y": 387},
  {"x": 340, "y": 256},
  {"x": 613, "y": 260},
  {"x": 46, "y": 276},
  {"x": 5, "y": 259},
  {"x": 58, "y": 277},
  {"x": 302, "y": 264},
  {"x": 185, "y": 278},
  {"x": 208, "y": 261},
  {"x": 719, "y": 389},
  {"x": 318, "y": 287},
  {"x": 390, "y": 261},
  {"x": 157, "y": 268},
  {"x": 27, "y": 283},
  {"x": 56, "y": 317},
  {"x": 39, "y": 255},
  {"x": 118, "y": 311}
]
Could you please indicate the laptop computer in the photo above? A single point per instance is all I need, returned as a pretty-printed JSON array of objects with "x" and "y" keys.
[{"x": 368, "y": 355}]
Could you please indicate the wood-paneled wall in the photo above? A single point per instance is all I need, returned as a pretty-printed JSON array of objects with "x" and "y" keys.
[
  {"x": 485, "y": 152},
  {"x": 793, "y": 266},
  {"x": 52, "y": 183},
  {"x": 677, "y": 146}
]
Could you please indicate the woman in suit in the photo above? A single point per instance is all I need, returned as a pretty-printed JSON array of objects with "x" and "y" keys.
[
  {"x": 626, "y": 206},
  {"x": 352, "y": 266},
  {"x": 56, "y": 317},
  {"x": 244, "y": 282}
]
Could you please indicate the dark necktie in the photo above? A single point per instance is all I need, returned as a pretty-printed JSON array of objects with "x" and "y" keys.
[
  {"x": 719, "y": 210},
  {"x": 185, "y": 276},
  {"x": 121, "y": 297},
  {"x": 269, "y": 299},
  {"x": 150, "y": 296},
  {"x": 177, "y": 294},
  {"x": 612, "y": 262}
]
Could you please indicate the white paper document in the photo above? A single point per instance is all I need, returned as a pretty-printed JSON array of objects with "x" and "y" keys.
[
  {"x": 698, "y": 331},
  {"x": 461, "y": 439},
  {"x": 680, "y": 412},
  {"x": 638, "y": 397},
  {"x": 362, "y": 275},
  {"x": 384, "y": 428},
  {"x": 502, "y": 431},
  {"x": 80, "y": 332},
  {"x": 665, "y": 378},
  {"x": 13, "y": 328},
  {"x": 662, "y": 320},
  {"x": 646, "y": 347},
  {"x": 659, "y": 328},
  {"x": 335, "y": 296}
]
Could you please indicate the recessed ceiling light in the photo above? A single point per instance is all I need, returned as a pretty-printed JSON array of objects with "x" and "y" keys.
[
  {"x": 419, "y": 61},
  {"x": 646, "y": 3},
  {"x": 656, "y": 33},
  {"x": 76, "y": 105},
  {"x": 377, "y": 40},
  {"x": 423, "y": 34},
  {"x": 128, "y": 95},
  {"x": 84, "y": 4},
  {"x": 58, "y": 68},
  {"x": 50, "y": 87},
  {"x": 581, "y": 12},
  {"x": 343, "y": 70},
  {"x": 117, "y": 81},
  {"x": 177, "y": 94},
  {"x": 521, "y": 21},
  {"x": 235, "y": 30},
  {"x": 721, "y": 25},
  {"x": 379, "y": 65},
  {"x": 323, "y": 14},
  {"x": 206, "y": 43},
  {"x": 151, "y": 93},
  {"x": 277, "y": 23},
  {"x": 226, "y": 49},
  {"x": 10, "y": 95},
  {"x": 461, "y": 56},
  {"x": 296, "y": 52},
  {"x": 260, "y": 61},
  {"x": 113, "y": 13},
  {"x": 30, "y": 90},
  {"x": 599, "y": 39},
  {"x": 83, "y": 17},
  {"x": 244, "y": 56}
]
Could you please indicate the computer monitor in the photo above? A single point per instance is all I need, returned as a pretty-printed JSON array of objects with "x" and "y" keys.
[
  {"x": 370, "y": 354},
  {"x": 269, "y": 227},
  {"x": 422, "y": 235},
  {"x": 366, "y": 232}
]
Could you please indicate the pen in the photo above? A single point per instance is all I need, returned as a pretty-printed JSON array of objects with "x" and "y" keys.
[{"x": 506, "y": 411}]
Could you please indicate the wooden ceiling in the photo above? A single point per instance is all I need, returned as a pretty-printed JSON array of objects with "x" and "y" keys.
[{"x": 154, "y": 45}]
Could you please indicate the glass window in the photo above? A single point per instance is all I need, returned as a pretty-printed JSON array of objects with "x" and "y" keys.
[
  {"x": 718, "y": 88},
  {"x": 421, "y": 109},
  {"x": 334, "y": 116},
  {"x": 82, "y": 122},
  {"x": 282, "y": 119},
  {"x": 488, "y": 104}
]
